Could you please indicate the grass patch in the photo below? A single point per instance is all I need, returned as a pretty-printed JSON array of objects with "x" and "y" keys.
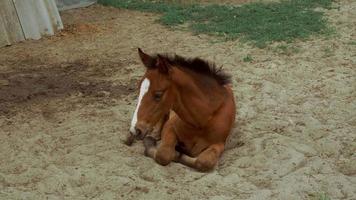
[
  {"x": 319, "y": 196},
  {"x": 352, "y": 43},
  {"x": 323, "y": 197},
  {"x": 260, "y": 23},
  {"x": 328, "y": 52},
  {"x": 248, "y": 58},
  {"x": 285, "y": 49}
]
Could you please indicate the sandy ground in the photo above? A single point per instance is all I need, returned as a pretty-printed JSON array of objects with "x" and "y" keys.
[{"x": 66, "y": 103}]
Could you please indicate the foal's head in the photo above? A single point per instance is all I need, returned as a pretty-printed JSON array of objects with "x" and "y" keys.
[{"x": 156, "y": 94}]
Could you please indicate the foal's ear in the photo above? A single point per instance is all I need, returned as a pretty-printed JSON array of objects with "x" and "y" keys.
[
  {"x": 145, "y": 58},
  {"x": 163, "y": 64}
]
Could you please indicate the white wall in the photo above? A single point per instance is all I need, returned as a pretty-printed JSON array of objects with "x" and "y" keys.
[
  {"x": 27, "y": 19},
  {"x": 70, "y": 4}
]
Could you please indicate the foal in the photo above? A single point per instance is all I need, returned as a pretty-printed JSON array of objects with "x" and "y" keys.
[{"x": 200, "y": 104}]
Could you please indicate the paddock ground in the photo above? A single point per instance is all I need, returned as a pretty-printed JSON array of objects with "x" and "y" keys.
[{"x": 66, "y": 103}]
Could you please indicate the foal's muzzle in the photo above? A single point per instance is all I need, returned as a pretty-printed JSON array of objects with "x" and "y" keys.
[
  {"x": 139, "y": 134},
  {"x": 141, "y": 131}
]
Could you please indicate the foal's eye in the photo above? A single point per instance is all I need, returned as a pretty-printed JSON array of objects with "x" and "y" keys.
[{"x": 158, "y": 95}]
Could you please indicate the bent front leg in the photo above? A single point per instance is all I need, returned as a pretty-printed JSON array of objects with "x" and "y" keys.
[
  {"x": 166, "y": 152},
  {"x": 206, "y": 160}
]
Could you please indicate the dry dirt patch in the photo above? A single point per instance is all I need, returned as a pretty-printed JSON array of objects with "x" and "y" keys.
[{"x": 38, "y": 85}]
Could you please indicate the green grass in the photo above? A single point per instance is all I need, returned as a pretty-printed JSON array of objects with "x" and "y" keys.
[
  {"x": 352, "y": 43},
  {"x": 319, "y": 196},
  {"x": 328, "y": 51},
  {"x": 285, "y": 49},
  {"x": 248, "y": 58},
  {"x": 324, "y": 197},
  {"x": 259, "y": 23}
]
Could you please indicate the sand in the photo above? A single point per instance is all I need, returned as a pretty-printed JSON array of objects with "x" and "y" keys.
[{"x": 66, "y": 103}]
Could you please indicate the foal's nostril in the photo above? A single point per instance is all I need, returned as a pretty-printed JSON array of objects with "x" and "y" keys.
[{"x": 141, "y": 131}]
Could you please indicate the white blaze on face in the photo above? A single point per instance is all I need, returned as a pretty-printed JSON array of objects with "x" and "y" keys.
[{"x": 143, "y": 90}]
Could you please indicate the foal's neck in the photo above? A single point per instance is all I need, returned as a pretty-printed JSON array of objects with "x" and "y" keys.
[{"x": 197, "y": 98}]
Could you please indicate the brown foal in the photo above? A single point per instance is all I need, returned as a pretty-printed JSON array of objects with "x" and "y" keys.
[{"x": 200, "y": 104}]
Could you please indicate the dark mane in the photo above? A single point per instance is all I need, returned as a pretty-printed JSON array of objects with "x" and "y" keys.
[{"x": 200, "y": 66}]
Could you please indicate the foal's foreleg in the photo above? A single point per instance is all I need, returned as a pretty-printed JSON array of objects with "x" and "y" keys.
[
  {"x": 206, "y": 160},
  {"x": 166, "y": 152}
]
